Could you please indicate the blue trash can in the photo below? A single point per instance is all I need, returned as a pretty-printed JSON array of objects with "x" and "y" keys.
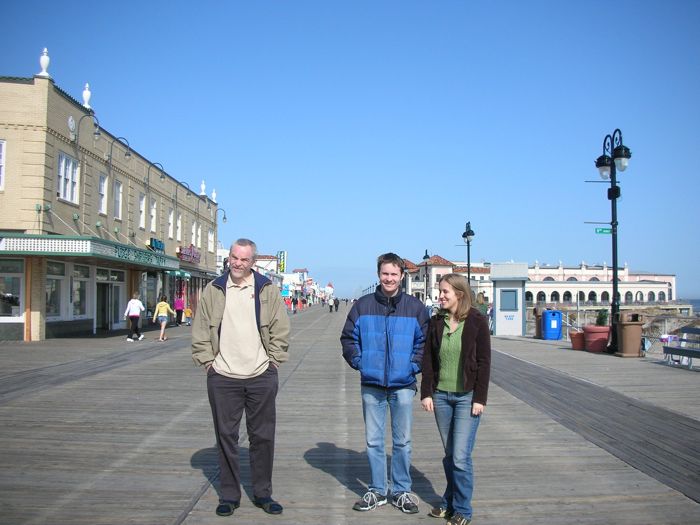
[{"x": 551, "y": 325}]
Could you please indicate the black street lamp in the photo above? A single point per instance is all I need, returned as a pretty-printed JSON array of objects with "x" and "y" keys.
[
  {"x": 467, "y": 236},
  {"x": 607, "y": 166},
  {"x": 426, "y": 257}
]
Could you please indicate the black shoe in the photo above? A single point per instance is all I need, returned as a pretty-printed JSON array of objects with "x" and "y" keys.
[
  {"x": 268, "y": 505},
  {"x": 226, "y": 508},
  {"x": 370, "y": 501},
  {"x": 405, "y": 502}
]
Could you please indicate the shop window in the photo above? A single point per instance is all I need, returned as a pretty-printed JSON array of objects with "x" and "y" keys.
[
  {"x": 11, "y": 287},
  {"x": 67, "y": 178},
  {"x": 56, "y": 275},
  {"x": 81, "y": 281}
]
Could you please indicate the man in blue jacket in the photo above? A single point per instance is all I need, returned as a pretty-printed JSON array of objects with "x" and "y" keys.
[{"x": 383, "y": 338}]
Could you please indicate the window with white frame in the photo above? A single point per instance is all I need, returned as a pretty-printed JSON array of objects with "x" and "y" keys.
[
  {"x": 11, "y": 286},
  {"x": 117, "y": 199},
  {"x": 170, "y": 223},
  {"x": 67, "y": 178},
  {"x": 154, "y": 214},
  {"x": 80, "y": 283},
  {"x": 178, "y": 229},
  {"x": 199, "y": 236},
  {"x": 2, "y": 164},
  {"x": 193, "y": 238},
  {"x": 210, "y": 241},
  {"x": 55, "y": 283},
  {"x": 142, "y": 211},
  {"x": 102, "y": 194}
]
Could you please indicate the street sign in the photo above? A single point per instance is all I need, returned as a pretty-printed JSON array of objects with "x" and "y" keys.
[{"x": 603, "y": 230}]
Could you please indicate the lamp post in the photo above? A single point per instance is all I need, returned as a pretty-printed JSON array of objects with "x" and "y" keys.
[
  {"x": 127, "y": 153},
  {"x": 147, "y": 180},
  {"x": 224, "y": 212},
  {"x": 615, "y": 157},
  {"x": 467, "y": 236},
  {"x": 75, "y": 129},
  {"x": 426, "y": 258}
]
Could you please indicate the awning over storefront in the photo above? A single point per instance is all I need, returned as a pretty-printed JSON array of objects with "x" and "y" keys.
[
  {"x": 84, "y": 247},
  {"x": 180, "y": 273}
]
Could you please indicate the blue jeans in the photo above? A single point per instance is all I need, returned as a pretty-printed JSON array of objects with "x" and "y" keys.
[
  {"x": 375, "y": 401},
  {"x": 457, "y": 427}
]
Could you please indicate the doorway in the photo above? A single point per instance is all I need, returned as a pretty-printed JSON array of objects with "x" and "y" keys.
[{"x": 108, "y": 315}]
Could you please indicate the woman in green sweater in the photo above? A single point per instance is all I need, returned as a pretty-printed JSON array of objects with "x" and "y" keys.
[{"x": 456, "y": 369}]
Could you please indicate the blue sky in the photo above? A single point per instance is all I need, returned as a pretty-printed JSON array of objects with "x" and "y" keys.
[{"x": 339, "y": 130}]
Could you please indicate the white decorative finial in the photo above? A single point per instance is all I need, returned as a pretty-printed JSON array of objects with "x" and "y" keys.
[
  {"x": 44, "y": 60},
  {"x": 213, "y": 195},
  {"x": 86, "y": 96},
  {"x": 202, "y": 189}
]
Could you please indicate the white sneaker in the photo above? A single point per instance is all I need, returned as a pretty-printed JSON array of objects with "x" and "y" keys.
[
  {"x": 130, "y": 339},
  {"x": 140, "y": 337}
]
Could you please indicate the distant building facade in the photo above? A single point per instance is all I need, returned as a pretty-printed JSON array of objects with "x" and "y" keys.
[{"x": 85, "y": 220}]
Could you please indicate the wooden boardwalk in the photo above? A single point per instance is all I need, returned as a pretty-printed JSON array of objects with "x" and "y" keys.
[{"x": 95, "y": 431}]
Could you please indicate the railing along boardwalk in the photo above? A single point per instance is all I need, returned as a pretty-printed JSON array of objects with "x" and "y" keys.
[{"x": 101, "y": 432}]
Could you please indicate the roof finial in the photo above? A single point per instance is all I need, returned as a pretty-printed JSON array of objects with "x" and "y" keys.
[{"x": 44, "y": 60}]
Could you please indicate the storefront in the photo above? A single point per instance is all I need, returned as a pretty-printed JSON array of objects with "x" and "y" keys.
[
  {"x": 58, "y": 286},
  {"x": 191, "y": 280}
]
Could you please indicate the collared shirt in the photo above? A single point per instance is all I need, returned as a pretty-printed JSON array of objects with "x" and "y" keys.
[
  {"x": 450, "y": 357},
  {"x": 242, "y": 354}
]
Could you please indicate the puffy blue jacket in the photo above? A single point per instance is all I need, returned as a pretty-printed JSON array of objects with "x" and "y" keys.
[{"x": 383, "y": 338}]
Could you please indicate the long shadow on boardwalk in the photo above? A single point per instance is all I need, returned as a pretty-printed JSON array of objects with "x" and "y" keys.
[
  {"x": 350, "y": 467},
  {"x": 207, "y": 460}
]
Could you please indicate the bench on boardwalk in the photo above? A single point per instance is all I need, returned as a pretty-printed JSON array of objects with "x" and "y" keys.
[{"x": 688, "y": 346}]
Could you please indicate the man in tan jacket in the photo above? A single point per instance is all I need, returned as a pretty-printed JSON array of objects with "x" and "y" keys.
[{"x": 240, "y": 334}]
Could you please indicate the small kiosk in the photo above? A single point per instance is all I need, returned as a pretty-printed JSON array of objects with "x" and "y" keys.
[{"x": 508, "y": 312}]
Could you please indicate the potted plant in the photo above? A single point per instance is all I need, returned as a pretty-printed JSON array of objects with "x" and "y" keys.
[
  {"x": 596, "y": 336},
  {"x": 578, "y": 341}
]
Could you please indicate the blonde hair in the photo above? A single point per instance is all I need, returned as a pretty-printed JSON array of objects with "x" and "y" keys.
[{"x": 464, "y": 293}]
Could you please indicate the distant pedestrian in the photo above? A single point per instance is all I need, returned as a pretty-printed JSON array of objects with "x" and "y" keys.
[
  {"x": 330, "y": 305},
  {"x": 383, "y": 338},
  {"x": 133, "y": 312},
  {"x": 295, "y": 304},
  {"x": 161, "y": 314},
  {"x": 336, "y": 303},
  {"x": 179, "y": 308},
  {"x": 188, "y": 315},
  {"x": 240, "y": 336},
  {"x": 456, "y": 369}
]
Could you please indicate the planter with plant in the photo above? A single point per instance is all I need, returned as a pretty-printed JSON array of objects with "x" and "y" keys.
[{"x": 596, "y": 336}]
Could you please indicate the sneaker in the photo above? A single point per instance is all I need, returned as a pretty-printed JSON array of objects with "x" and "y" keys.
[
  {"x": 141, "y": 337},
  {"x": 370, "y": 501},
  {"x": 458, "y": 519},
  {"x": 405, "y": 502},
  {"x": 130, "y": 339},
  {"x": 440, "y": 512}
]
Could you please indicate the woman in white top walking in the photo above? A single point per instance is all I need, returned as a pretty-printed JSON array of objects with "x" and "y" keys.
[{"x": 133, "y": 312}]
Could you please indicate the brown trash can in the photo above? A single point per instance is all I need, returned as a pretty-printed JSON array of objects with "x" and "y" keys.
[
  {"x": 538, "y": 321},
  {"x": 629, "y": 335}
]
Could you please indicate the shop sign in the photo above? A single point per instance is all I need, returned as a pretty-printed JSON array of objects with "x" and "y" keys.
[
  {"x": 188, "y": 254},
  {"x": 139, "y": 256},
  {"x": 157, "y": 245}
]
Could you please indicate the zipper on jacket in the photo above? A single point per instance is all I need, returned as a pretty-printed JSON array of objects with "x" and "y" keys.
[{"x": 386, "y": 332}]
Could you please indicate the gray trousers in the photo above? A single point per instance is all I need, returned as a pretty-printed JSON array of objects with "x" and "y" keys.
[{"x": 228, "y": 399}]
